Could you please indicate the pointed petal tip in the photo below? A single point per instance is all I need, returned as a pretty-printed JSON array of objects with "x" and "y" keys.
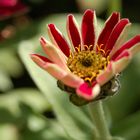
[
  {"x": 33, "y": 55},
  {"x": 70, "y": 16},
  {"x": 137, "y": 37},
  {"x": 50, "y": 25},
  {"x": 42, "y": 40},
  {"x": 126, "y": 20},
  {"x": 125, "y": 54},
  {"x": 89, "y": 11},
  {"x": 44, "y": 43},
  {"x": 116, "y": 13},
  {"x": 39, "y": 58}
]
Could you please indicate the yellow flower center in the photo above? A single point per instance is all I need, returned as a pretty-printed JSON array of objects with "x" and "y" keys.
[{"x": 87, "y": 64}]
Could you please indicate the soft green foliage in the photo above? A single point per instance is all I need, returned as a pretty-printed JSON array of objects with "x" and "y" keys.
[
  {"x": 5, "y": 81},
  {"x": 129, "y": 128},
  {"x": 20, "y": 117},
  {"x": 10, "y": 65}
]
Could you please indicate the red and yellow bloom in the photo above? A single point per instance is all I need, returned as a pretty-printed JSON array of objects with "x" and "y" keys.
[{"x": 92, "y": 59}]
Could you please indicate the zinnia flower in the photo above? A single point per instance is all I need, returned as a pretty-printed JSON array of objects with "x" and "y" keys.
[{"x": 92, "y": 59}]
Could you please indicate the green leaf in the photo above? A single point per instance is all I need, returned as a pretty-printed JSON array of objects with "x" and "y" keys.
[
  {"x": 5, "y": 81},
  {"x": 39, "y": 128},
  {"x": 8, "y": 132},
  {"x": 10, "y": 101},
  {"x": 134, "y": 30},
  {"x": 9, "y": 62},
  {"x": 117, "y": 138},
  {"x": 34, "y": 98},
  {"x": 58, "y": 99},
  {"x": 129, "y": 127},
  {"x": 33, "y": 125}
]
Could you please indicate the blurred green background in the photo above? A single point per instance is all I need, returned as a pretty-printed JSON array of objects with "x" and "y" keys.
[{"x": 31, "y": 108}]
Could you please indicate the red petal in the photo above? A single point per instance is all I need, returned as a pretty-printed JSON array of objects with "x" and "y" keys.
[
  {"x": 51, "y": 68},
  {"x": 73, "y": 31},
  {"x": 88, "y": 92},
  {"x": 107, "y": 30},
  {"x": 123, "y": 54},
  {"x": 115, "y": 34},
  {"x": 130, "y": 43},
  {"x": 59, "y": 39},
  {"x": 54, "y": 53},
  {"x": 88, "y": 31},
  {"x": 44, "y": 59},
  {"x": 86, "y": 89}
]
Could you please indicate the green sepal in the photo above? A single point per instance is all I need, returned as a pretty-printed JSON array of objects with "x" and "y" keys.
[{"x": 109, "y": 89}]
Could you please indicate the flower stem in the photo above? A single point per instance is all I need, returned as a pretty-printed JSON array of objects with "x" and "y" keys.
[{"x": 97, "y": 112}]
